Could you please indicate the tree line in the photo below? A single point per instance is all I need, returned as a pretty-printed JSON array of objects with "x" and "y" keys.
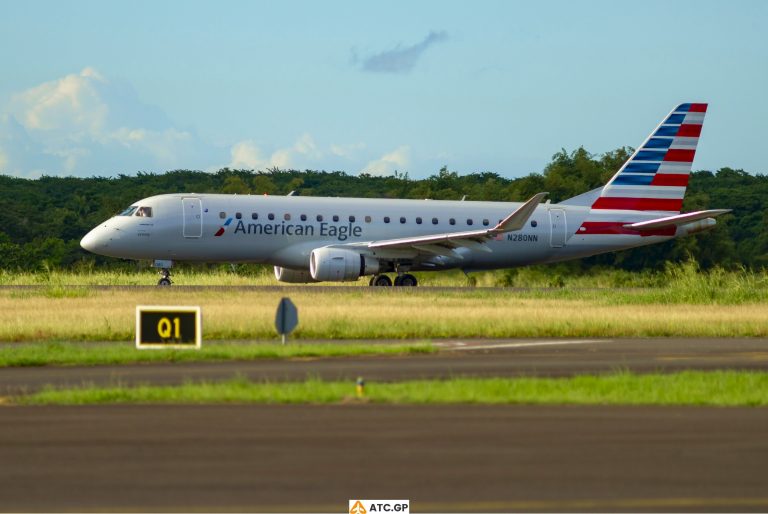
[{"x": 43, "y": 220}]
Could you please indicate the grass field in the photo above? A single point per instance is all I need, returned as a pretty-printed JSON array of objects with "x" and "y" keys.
[
  {"x": 359, "y": 313},
  {"x": 676, "y": 276},
  {"x": 92, "y": 354},
  {"x": 683, "y": 302},
  {"x": 721, "y": 388}
]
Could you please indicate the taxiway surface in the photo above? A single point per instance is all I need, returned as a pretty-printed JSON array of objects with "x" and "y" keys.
[
  {"x": 443, "y": 458},
  {"x": 466, "y": 358}
]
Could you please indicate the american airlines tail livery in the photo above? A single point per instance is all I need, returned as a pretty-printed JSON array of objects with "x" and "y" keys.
[{"x": 311, "y": 239}]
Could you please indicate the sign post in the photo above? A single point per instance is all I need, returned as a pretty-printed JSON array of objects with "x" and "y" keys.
[
  {"x": 168, "y": 327},
  {"x": 286, "y": 318}
]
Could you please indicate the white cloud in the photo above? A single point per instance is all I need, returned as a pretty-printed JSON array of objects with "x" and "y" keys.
[
  {"x": 89, "y": 124},
  {"x": 246, "y": 154},
  {"x": 85, "y": 124},
  {"x": 303, "y": 153},
  {"x": 396, "y": 160},
  {"x": 347, "y": 151}
]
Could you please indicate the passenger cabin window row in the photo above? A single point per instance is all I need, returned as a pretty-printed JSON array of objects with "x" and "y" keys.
[{"x": 147, "y": 211}]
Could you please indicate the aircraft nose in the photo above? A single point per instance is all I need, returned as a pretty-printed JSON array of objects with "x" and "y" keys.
[{"x": 94, "y": 240}]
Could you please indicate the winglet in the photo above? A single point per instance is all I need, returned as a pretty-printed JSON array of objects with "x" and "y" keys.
[{"x": 519, "y": 218}]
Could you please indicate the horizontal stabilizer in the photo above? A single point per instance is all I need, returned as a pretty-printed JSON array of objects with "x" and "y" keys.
[{"x": 672, "y": 221}]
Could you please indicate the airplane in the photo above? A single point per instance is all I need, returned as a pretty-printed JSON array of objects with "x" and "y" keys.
[{"x": 313, "y": 239}]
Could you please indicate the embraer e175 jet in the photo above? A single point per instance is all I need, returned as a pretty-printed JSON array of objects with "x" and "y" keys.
[{"x": 310, "y": 239}]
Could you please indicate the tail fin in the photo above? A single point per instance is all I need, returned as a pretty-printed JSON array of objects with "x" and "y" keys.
[{"x": 655, "y": 177}]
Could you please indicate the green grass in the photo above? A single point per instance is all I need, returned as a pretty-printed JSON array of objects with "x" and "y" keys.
[
  {"x": 678, "y": 283},
  {"x": 719, "y": 388},
  {"x": 92, "y": 354}
]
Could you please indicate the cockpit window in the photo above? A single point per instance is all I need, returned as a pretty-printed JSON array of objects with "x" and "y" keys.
[
  {"x": 144, "y": 212},
  {"x": 129, "y": 211}
]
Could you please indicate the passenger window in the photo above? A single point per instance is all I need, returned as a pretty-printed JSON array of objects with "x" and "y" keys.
[
  {"x": 486, "y": 222},
  {"x": 367, "y": 219},
  {"x": 222, "y": 215},
  {"x": 319, "y": 217},
  {"x": 534, "y": 223},
  {"x": 335, "y": 217},
  {"x": 303, "y": 217},
  {"x": 238, "y": 216},
  {"x": 271, "y": 216},
  {"x": 254, "y": 216},
  {"x": 386, "y": 219},
  {"x": 351, "y": 219},
  {"x": 402, "y": 220},
  {"x": 452, "y": 221},
  {"x": 469, "y": 222},
  {"x": 287, "y": 217},
  {"x": 434, "y": 221},
  {"x": 418, "y": 221}
]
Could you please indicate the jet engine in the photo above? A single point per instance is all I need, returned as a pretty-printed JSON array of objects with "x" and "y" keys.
[
  {"x": 293, "y": 276},
  {"x": 340, "y": 265}
]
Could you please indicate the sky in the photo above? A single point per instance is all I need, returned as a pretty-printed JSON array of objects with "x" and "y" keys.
[{"x": 94, "y": 88}]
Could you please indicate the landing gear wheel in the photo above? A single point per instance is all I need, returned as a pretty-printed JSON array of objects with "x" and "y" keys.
[
  {"x": 165, "y": 277},
  {"x": 381, "y": 281},
  {"x": 398, "y": 281},
  {"x": 407, "y": 280}
]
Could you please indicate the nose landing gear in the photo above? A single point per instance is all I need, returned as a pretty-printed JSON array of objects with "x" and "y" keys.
[
  {"x": 165, "y": 279},
  {"x": 165, "y": 271}
]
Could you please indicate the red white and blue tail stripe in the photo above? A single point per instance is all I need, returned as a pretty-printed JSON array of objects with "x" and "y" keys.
[{"x": 655, "y": 177}]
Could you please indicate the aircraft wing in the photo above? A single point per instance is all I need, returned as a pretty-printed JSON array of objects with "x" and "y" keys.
[
  {"x": 442, "y": 243},
  {"x": 679, "y": 219}
]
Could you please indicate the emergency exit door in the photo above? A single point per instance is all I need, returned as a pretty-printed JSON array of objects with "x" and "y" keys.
[
  {"x": 557, "y": 227},
  {"x": 193, "y": 217}
]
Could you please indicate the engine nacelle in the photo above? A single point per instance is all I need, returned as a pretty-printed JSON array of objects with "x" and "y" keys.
[
  {"x": 340, "y": 265},
  {"x": 293, "y": 276}
]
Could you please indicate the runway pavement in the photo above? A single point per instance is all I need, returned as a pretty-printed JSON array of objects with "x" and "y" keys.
[
  {"x": 442, "y": 458},
  {"x": 475, "y": 358}
]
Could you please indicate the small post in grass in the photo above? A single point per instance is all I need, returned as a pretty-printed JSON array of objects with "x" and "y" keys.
[
  {"x": 287, "y": 318},
  {"x": 360, "y": 387}
]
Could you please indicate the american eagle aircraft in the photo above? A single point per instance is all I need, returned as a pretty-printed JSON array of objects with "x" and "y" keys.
[{"x": 309, "y": 239}]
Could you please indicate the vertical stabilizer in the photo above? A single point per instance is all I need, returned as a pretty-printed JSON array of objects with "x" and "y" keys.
[{"x": 655, "y": 177}]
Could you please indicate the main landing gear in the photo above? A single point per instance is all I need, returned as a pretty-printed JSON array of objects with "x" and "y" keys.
[{"x": 404, "y": 280}]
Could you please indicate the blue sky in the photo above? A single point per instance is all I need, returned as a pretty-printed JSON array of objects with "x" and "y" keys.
[{"x": 100, "y": 88}]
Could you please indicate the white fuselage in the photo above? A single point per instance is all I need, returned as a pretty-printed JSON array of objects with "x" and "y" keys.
[{"x": 284, "y": 230}]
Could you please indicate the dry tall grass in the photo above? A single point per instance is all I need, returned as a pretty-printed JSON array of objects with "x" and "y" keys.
[{"x": 87, "y": 314}]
